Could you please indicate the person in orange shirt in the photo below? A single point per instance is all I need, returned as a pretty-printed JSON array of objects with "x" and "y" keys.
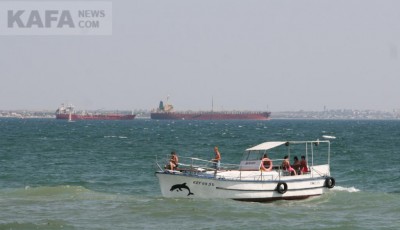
[{"x": 217, "y": 159}]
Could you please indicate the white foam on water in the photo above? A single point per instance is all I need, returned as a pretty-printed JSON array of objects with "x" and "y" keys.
[
  {"x": 351, "y": 189},
  {"x": 328, "y": 137}
]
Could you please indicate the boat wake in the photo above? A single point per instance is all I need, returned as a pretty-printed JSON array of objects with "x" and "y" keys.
[{"x": 351, "y": 189}]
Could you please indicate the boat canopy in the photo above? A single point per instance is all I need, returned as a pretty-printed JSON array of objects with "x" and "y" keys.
[{"x": 266, "y": 145}]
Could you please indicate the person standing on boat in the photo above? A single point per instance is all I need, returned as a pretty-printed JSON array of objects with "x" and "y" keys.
[
  {"x": 217, "y": 158},
  {"x": 173, "y": 161}
]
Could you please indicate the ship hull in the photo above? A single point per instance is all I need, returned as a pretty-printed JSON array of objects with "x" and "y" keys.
[
  {"x": 211, "y": 116},
  {"x": 95, "y": 117}
]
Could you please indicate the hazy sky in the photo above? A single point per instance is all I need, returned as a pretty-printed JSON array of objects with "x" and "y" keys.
[{"x": 247, "y": 55}]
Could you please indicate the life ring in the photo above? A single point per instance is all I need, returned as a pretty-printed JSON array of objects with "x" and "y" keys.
[
  {"x": 330, "y": 182},
  {"x": 281, "y": 189},
  {"x": 270, "y": 165}
]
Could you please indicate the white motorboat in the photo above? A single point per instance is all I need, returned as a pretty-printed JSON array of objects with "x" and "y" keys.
[{"x": 246, "y": 182}]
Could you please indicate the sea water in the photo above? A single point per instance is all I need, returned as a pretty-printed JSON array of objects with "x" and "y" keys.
[{"x": 56, "y": 174}]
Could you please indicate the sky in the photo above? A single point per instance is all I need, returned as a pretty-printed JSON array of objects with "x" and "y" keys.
[{"x": 275, "y": 55}]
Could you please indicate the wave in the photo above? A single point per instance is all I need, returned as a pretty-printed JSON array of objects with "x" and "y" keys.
[
  {"x": 47, "y": 224},
  {"x": 351, "y": 189},
  {"x": 63, "y": 193},
  {"x": 51, "y": 193},
  {"x": 120, "y": 137},
  {"x": 47, "y": 191}
]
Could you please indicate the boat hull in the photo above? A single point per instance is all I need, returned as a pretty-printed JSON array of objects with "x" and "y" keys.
[
  {"x": 95, "y": 117},
  {"x": 188, "y": 186},
  {"x": 211, "y": 116}
]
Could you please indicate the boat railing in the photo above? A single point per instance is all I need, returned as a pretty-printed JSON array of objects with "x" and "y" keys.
[
  {"x": 195, "y": 165},
  {"x": 266, "y": 175},
  {"x": 200, "y": 167}
]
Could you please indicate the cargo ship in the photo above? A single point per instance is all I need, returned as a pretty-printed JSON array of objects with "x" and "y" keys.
[
  {"x": 165, "y": 112},
  {"x": 68, "y": 113}
]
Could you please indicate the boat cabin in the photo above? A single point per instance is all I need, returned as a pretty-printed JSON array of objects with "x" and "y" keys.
[{"x": 252, "y": 157}]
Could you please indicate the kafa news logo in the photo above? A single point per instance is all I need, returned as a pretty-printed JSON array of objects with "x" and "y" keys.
[{"x": 56, "y": 18}]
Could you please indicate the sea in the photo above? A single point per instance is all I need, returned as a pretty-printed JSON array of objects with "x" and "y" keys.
[{"x": 56, "y": 174}]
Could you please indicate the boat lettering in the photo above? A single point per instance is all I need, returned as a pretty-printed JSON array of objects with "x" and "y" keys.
[
  {"x": 203, "y": 183},
  {"x": 250, "y": 162},
  {"x": 314, "y": 182}
]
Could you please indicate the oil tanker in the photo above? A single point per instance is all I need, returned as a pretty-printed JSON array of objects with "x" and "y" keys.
[
  {"x": 68, "y": 113},
  {"x": 165, "y": 112}
]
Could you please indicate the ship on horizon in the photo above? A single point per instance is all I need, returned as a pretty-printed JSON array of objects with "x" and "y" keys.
[
  {"x": 68, "y": 113},
  {"x": 166, "y": 112}
]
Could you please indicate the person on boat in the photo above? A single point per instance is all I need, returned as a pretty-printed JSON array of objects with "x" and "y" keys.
[
  {"x": 217, "y": 158},
  {"x": 296, "y": 165},
  {"x": 266, "y": 163},
  {"x": 303, "y": 165},
  {"x": 286, "y": 166},
  {"x": 173, "y": 161}
]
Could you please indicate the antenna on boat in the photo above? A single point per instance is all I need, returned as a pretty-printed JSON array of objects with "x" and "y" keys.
[{"x": 212, "y": 104}]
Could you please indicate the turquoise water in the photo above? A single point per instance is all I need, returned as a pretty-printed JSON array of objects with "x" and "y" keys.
[{"x": 100, "y": 175}]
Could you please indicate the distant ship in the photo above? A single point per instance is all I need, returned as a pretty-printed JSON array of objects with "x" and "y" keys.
[
  {"x": 68, "y": 113},
  {"x": 165, "y": 112}
]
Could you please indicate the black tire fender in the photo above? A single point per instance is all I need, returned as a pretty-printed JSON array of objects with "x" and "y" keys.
[
  {"x": 330, "y": 182},
  {"x": 281, "y": 187}
]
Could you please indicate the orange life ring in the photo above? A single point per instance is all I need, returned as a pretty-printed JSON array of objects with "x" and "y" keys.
[{"x": 263, "y": 167}]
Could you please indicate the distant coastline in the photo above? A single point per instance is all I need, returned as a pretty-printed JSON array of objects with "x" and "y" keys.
[{"x": 340, "y": 114}]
